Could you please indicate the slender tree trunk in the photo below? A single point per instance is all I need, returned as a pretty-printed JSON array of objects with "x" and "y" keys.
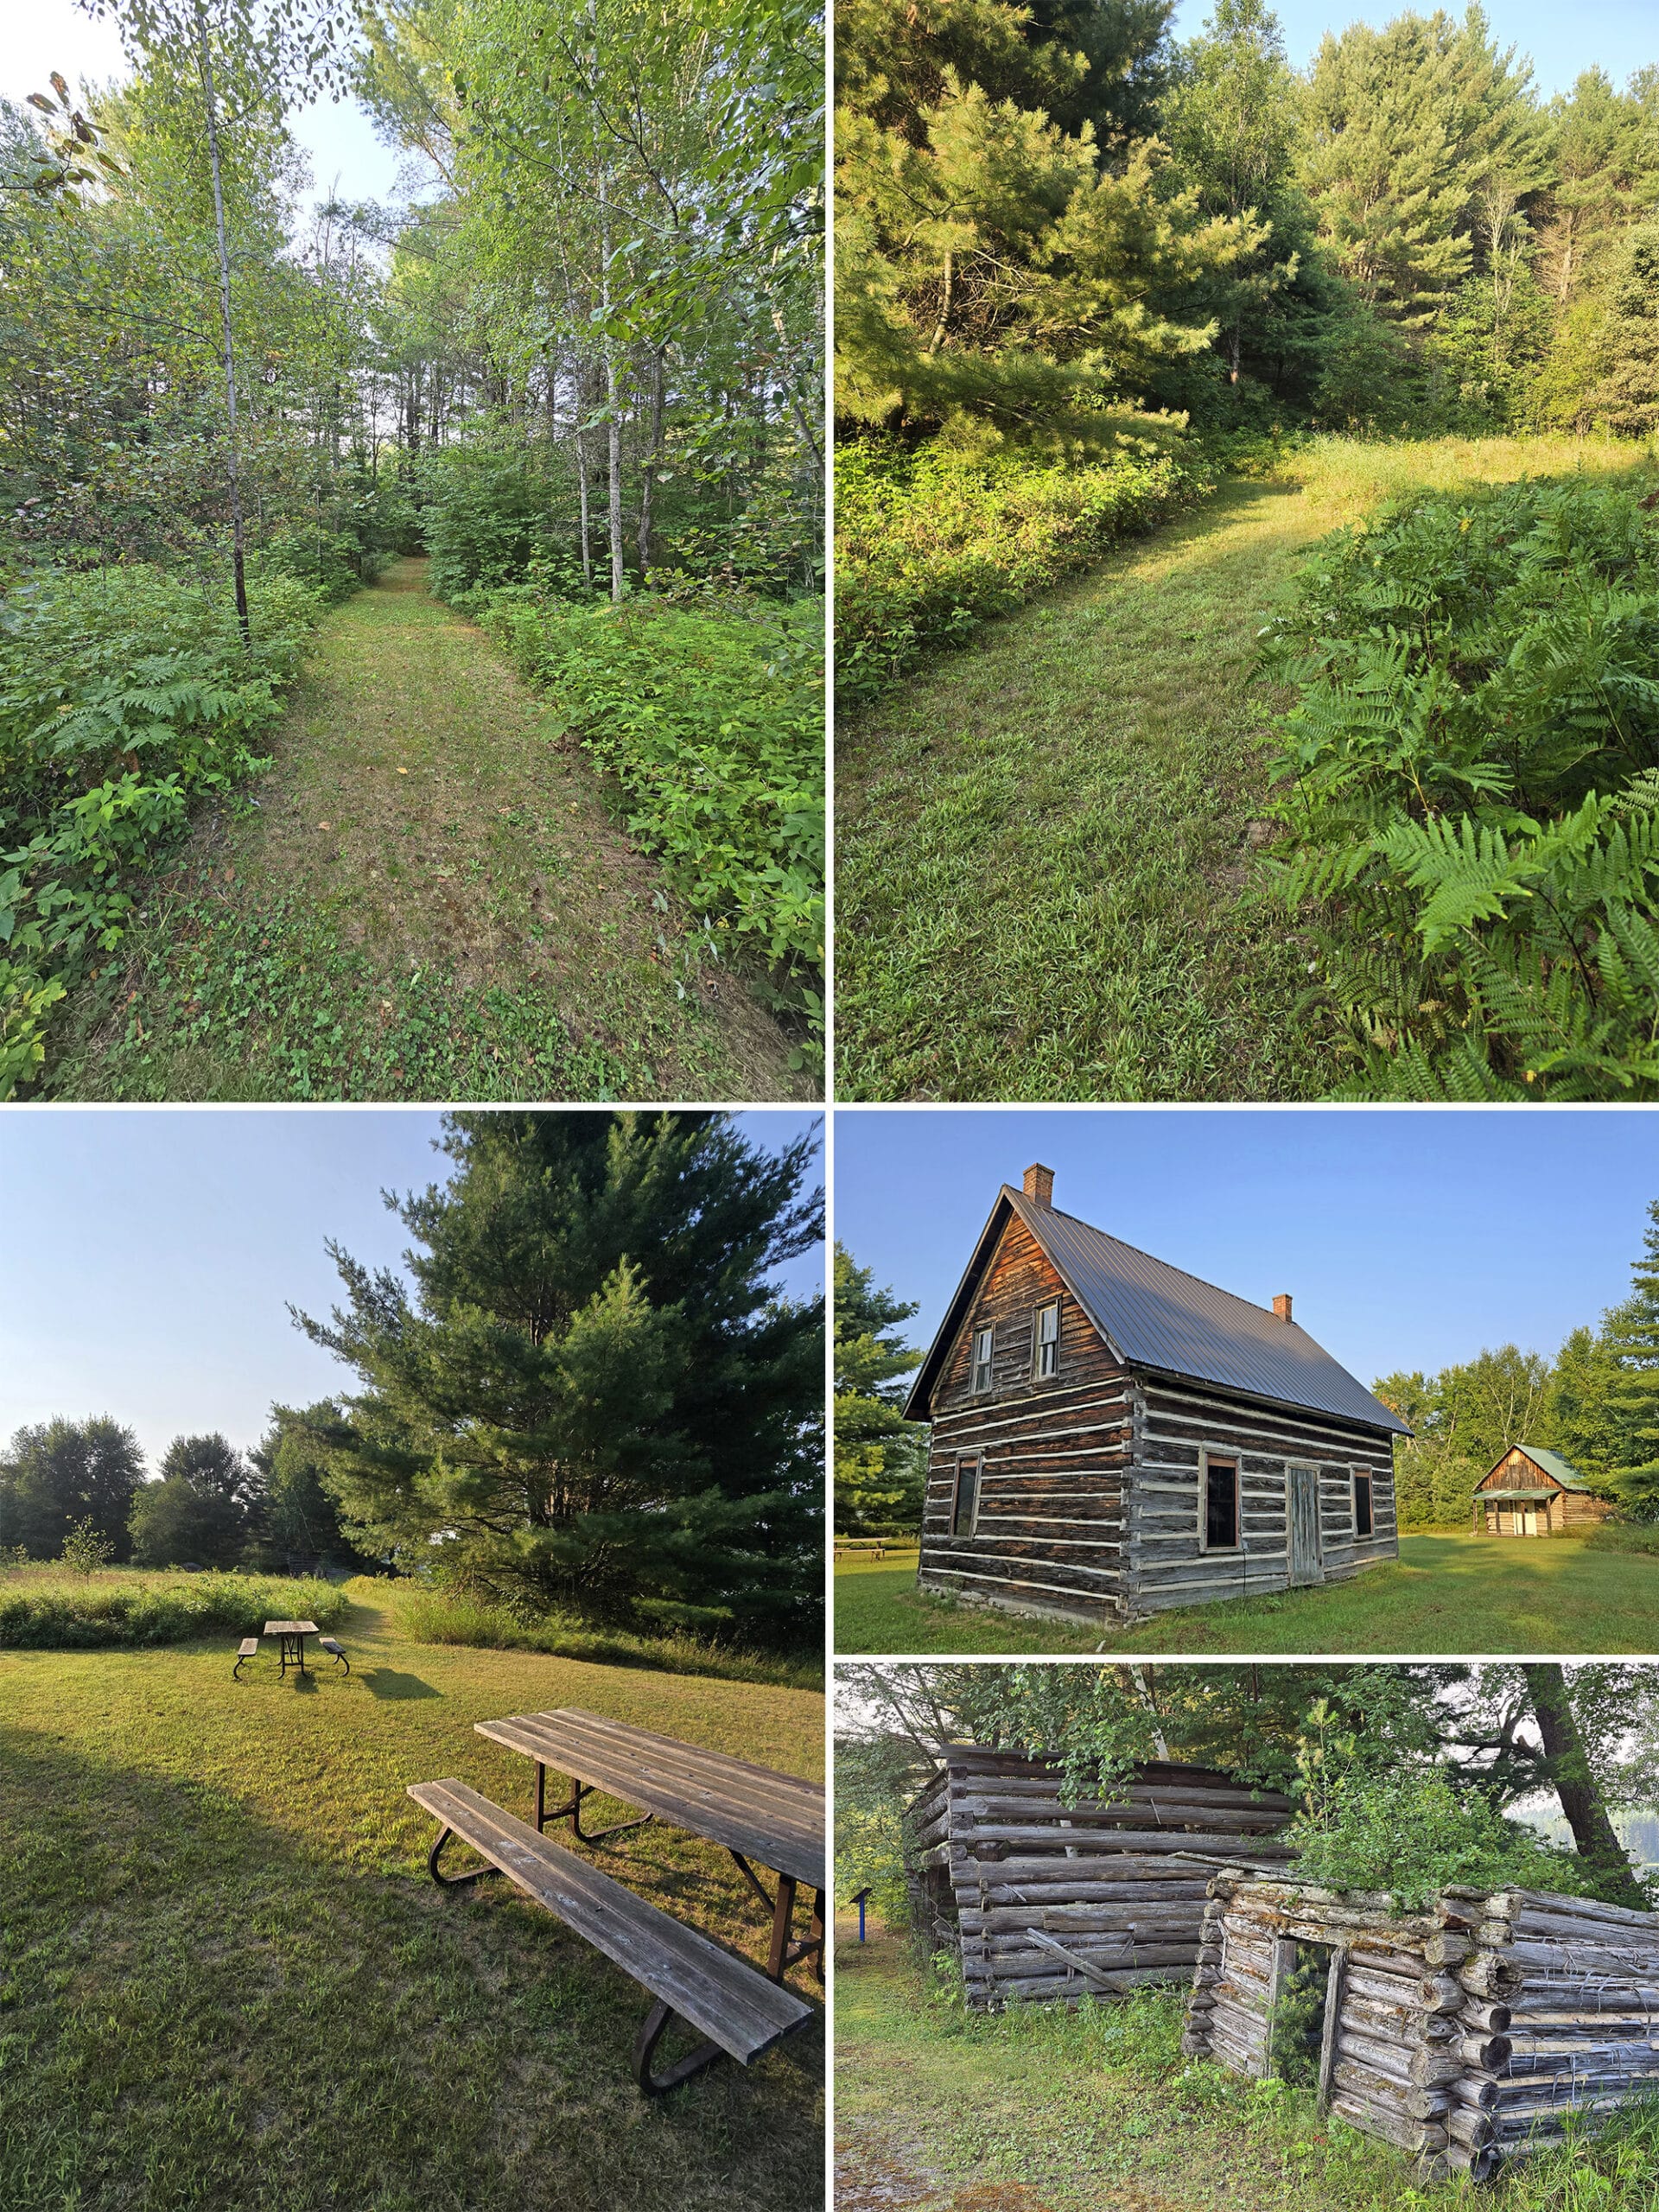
[
  {"x": 648, "y": 474},
  {"x": 1576, "y": 1786},
  {"x": 613, "y": 447},
  {"x": 211, "y": 99},
  {"x": 583, "y": 381}
]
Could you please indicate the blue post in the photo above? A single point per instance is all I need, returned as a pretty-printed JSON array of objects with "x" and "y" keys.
[{"x": 861, "y": 1920}]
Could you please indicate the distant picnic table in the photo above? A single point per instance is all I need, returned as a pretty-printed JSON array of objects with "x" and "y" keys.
[
  {"x": 761, "y": 1817},
  {"x": 293, "y": 1634}
]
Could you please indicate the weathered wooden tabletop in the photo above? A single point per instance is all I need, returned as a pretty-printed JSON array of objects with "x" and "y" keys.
[
  {"x": 290, "y": 1628},
  {"x": 775, "y": 1818}
]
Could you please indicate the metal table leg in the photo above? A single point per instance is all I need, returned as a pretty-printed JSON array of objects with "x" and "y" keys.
[{"x": 572, "y": 1812}]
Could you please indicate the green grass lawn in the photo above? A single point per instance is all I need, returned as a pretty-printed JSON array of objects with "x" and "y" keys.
[
  {"x": 429, "y": 896},
  {"x": 1043, "y": 2111},
  {"x": 1445, "y": 1593},
  {"x": 1045, "y": 885},
  {"x": 226, "y": 1983}
]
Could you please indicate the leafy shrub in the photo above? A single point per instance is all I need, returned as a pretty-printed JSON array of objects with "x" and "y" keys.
[
  {"x": 1408, "y": 1831},
  {"x": 443, "y": 1616},
  {"x": 124, "y": 692},
  {"x": 49, "y": 1614},
  {"x": 929, "y": 542},
  {"x": 486, "y": 514},
  {"x": 333, "y": 561},
  {"x": 1472, "y": 789},
  {"x": 711, "y": 716}
]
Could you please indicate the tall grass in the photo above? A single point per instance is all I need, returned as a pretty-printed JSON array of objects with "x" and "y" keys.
[
  {"x": 443, "y": 1617},
  {"x": 50, "y": 1609}
]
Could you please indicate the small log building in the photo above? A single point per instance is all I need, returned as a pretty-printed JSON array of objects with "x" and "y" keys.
[
  {"x": 1110, "y": 1435},
  {"x": 1464, "y": 2033},
  {"x": 1533, "y": 1492},
  {"x": 1047, "y": 1902}
]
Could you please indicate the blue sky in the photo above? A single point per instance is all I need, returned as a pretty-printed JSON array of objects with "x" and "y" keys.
[
  {"x": 149, "y": 1255},
  {"x": 1408, "y": 1239}
]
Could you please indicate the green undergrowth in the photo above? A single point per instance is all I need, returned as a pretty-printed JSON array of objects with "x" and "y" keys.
[
  {"x": 47, "y": 1610},
  {"x": 125, "y": 695},
  {"x": 1093, "y": 2109},
  {"x": 1470, "y": 789},
  {"x": 930, "y": 541},
  {"x": 443, "y": 1616},
  {"x": 710, "y": 713}
]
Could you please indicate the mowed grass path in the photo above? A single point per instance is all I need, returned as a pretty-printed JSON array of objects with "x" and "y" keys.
[
  {"x": 429, "y": 896},
  {"x": 1041, "y": 2110},
  {"x": 1047, "y": 882},
  {"x": 227, "y": 1982},
  {"x": 1445, "y": 1593}
]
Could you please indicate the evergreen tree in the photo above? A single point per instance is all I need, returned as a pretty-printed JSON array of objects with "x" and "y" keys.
[
  {"x": 1578, "y": 1420},
  {"x": 203, "y": 1510},
  {"x": 593, "y": 1397},
  {"x": 881, "y": 1458},
  {"x": 60, "y": 1472},
  {"x": 299, "y": 1520},
  {"x": 1625, "y": 397},
  {"x": 1630, "y": 1341}
]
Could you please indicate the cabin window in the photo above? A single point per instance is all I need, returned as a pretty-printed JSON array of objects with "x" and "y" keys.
[
  {"x": 982, "y": 1359},
  {"x": 1220, "y": 1504},
  {"x": 964, "y": 1507},
  {"x": 1362, "y": 1504},
  {"x": 1048, "y": 1339}
]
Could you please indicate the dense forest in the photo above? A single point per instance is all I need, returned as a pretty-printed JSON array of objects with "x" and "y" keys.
[
  {"x": 580, "y": 372},
  {"x": 1087, "y": 276}
]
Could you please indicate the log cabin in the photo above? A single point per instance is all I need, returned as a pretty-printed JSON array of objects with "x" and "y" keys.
[
  {"x": 1467, "y": 2034},
  {"x": 1051, "y": 1904},
  {"x": 1110, "y": 1436},
  {"x": 1533, "y": 1492}
]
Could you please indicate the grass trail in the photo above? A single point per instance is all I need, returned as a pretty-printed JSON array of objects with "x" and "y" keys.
[
  {"x": 1045, "y": 886},
  {"x": 429, "y": 896},
  {"x": 226, "y": 1983},
  {"x": 1445, "y": 1593}
]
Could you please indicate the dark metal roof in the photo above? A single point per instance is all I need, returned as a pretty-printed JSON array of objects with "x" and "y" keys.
[{"x": 1154, "y": 1316}]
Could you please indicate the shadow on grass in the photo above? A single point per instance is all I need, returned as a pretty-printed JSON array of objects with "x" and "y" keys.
[
  {"x": 387, "y": 1683},
  {"x": 186, "y": 1979}
]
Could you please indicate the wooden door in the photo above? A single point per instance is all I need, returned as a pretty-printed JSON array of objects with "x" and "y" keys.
[{"x": 1302, "y": 1484}]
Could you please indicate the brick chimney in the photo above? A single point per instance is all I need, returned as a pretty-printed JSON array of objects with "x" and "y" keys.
[
  {"x": 1281, "y": 1305},
  {"x": 1040, "y": 1185}
]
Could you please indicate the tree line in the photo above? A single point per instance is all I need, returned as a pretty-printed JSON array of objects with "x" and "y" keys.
[
  {"x": 588, "y": 1395},
  {"x": 1057, "y": 221},
  {"x": 1596, "y": 1403}
]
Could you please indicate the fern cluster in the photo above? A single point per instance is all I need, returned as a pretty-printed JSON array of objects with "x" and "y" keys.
[{"x": 1470, "y": 787}]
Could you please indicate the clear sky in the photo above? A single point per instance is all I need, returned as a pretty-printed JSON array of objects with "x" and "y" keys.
[
  {"x": 1408, "y": 1239},
  {"x": 149, "y": 1255},
  {"x": 42, "y": 36},
  {"x": 1619, "y": 35}
]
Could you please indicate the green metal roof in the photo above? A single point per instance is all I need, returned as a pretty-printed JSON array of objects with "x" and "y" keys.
[
  {"x": 1499, "y": 1494},
  {"x": 1552, "y": 1464}
]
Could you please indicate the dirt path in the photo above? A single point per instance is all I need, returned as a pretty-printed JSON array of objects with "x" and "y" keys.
[{"x": 428, "y": 896}]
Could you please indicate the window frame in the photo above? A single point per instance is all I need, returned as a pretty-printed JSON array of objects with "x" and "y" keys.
[
  {"x": 1364, "y": 1475},
  {"x": 1207, "y": 1457},
  {"x": 1039, "y": 1345},
  {"x": 976, "y": 1460},
  {"x": 975, "y": 1363}
]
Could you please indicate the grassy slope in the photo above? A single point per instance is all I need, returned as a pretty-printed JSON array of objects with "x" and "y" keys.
[
  {"x": 1045, "y": 839},
  {"x": 431, "y": 898},
  {"x": 1041, "y": 2112},
  {"x": 225, "y": 1981},
  {"x": 1444, "y": 1594}
]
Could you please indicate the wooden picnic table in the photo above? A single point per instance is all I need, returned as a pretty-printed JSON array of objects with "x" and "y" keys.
[
  {"x": 761, "y": 1817},
  {"x": 293, "y": 1634}
]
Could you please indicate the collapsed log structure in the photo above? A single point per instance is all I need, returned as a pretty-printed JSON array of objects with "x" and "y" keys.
[
  {"x": 1464, "y": 2034},
  {"x": 1048, "y": 1902}
]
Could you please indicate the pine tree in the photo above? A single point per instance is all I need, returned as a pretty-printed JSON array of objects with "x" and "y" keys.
[
  {"x": 1626, "y": 394},
  {"x": 1630, "y": 1338},
  {"x": 299, "y": 1520},
  {"x": 881, "y": 1458},
  {"x": 594, "y": 1397}
]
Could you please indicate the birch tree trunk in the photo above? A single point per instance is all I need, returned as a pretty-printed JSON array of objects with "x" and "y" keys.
[
  {"x": 210, "y": 97},
  {"x": 653, "y": 457}
]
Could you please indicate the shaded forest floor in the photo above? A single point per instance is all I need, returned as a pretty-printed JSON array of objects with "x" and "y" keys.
[
  {"x": 428, "y": 896},
  {"x": 1444, "y": 1593},
  {"x": 1042, "y": 2110},
  {"x": 227, "y": 1983},
  {"x": 1045, "y": 883}
]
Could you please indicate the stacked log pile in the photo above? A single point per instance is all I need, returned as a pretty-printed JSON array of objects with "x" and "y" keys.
[
  {"x": 1050, "y": 1903},
  {"x": 1464, "y": 2034}
]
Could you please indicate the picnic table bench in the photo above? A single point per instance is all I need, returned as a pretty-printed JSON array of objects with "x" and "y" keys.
[{"x": 757, "y": 1815}]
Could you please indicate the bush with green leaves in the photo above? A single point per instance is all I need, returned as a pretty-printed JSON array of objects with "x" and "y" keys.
[
  {"x": 44, "y": 1612},
  {"x": 710, "y": 712},
  {"x": 125, "y": 692},
  {"x": 486, "y": 511},
  {"x": 1470, "y": 780},
  {"x": 928, "y": 540}
]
